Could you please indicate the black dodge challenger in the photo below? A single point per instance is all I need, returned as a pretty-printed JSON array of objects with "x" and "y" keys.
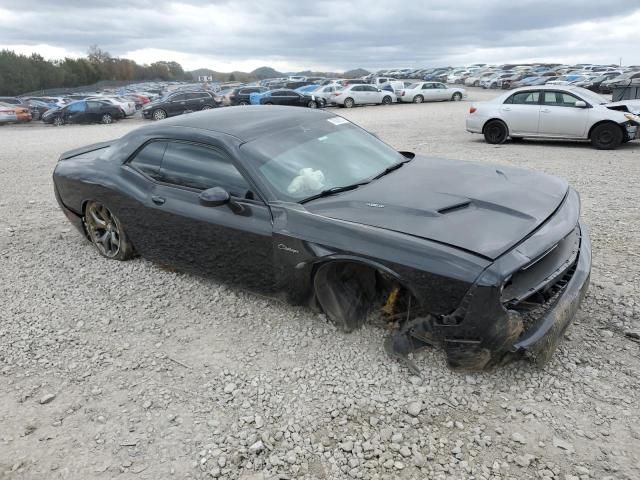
[{"x": 488, "y": 262}]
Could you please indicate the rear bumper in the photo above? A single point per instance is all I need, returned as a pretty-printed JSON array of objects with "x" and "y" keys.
[
  {"x": 72, "y": 216},
  {"x": 474, "y": 123},
  {"x": 542, "y": 338}
]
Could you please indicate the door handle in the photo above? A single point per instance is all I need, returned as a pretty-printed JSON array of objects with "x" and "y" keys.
[
  {"x": 546, "y": 110},
  {"x": 157, "y": 200},
  {"x": 506, "y": 109}
]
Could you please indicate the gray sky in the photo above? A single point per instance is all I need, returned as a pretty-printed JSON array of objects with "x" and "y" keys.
[{"x": 326, "y": 35}]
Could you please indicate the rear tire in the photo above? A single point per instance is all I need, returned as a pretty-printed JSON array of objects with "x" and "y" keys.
[
  {"x": 206, "y": 107},
  {"x": 418, "y": 99},
  {"x": 386, "y": 100},
  {"x": 243, "y": 103},
  {"x": 456, "y": 97},
  {"x": 495, "y": 132},
  {"x": 348, "y": 102},
  {"x": 606, "y": 136}
]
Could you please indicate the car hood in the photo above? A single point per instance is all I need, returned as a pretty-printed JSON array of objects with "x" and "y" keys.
[
  {"x": 481, "y": 208},
  {"x": 632, "y": 105},
  {"x": 51, "y": 111}
]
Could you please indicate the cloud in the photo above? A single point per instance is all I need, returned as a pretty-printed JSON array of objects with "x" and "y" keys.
[{"x": 326, "y": 34}]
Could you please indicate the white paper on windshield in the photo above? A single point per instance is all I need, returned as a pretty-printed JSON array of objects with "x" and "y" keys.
[{"x": 337, "y": 120}]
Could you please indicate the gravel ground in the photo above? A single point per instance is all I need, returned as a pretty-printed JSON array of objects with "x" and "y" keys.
[{"x": 128, "y": 370}]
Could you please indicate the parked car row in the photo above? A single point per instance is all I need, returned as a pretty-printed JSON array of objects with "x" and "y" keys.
[
  {"x": 597, "y": 78},
  {"x": 103, "y": 106}
]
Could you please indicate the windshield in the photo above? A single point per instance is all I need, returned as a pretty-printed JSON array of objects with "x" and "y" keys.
[
  {"x": 590, "y": 96},
  {"x": 302, "y": 161}
]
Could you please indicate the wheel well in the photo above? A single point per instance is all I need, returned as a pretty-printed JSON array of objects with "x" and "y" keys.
[
  {"x": 496, "y": 119},
  {"x": 603, "y": 122},
  {"x": 351, "y": 292}
]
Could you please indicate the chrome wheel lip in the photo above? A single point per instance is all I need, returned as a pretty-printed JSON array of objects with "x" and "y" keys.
[{"x": 103, "y": 229}]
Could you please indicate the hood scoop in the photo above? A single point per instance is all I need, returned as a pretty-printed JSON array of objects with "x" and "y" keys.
[{"x": 454, "y": 208}]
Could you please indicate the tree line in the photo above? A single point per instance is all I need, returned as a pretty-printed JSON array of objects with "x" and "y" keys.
[{"x": 21, "y": 73}]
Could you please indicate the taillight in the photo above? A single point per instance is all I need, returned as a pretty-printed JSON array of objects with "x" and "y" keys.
[
  {"x": 402, "y": 93},
  {"x": 472, "y": 110}
]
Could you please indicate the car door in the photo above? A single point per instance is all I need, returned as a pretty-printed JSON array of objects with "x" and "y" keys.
[
  {"x": 442, "y": 92},
  {"x": 278, "y": 97},
  {"x": 231, "y": 242},
  {"x": 295, "y": 99},
  {"x": 356, "y": 92},
  {"x": 197, "y": 100},
  {"x": 559, "y": 116},
  {"x": 521, "y": 112},
  {"x": 177, "y": 104},
  {"x": 76, "y": 112},
  {"x": 374, "y": 95},
  {"x": 428, "y": 91},
  {"x": 94, "y": 111}
]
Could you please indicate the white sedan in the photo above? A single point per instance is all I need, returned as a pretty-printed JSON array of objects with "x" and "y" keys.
[
  {"x": 362, "y": 95},
  {"x": 556, "y": 112},
  {"x": 430, "y": 91}
]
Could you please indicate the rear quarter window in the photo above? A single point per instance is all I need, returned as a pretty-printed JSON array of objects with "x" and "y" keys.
[{"x": 149, "y": 159}]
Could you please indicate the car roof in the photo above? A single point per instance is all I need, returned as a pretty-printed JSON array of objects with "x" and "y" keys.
[
  {"x": 247, "y": 122},
  {"x": 546, "y": 87}
]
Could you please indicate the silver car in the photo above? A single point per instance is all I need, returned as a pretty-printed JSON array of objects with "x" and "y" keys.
[
  {"x": 362, "y": 95},
  {"x": 430, "y": 92},
  {"x": 7, "y": 113},
  {"x": 326, "y": 92}
]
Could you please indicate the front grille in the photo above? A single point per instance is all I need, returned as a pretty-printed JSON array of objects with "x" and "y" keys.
[{"x": 538, "y": 282}]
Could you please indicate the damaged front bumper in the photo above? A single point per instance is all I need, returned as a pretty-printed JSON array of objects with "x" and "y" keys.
[
  {"x": 541, "y": 339},
  {"x": 486, "y": 328}
]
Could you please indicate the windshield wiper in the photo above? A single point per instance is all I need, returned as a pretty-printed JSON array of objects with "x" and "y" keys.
[
  {"x": 332, "y": 191},
  {"x": 391, "y": 169}
]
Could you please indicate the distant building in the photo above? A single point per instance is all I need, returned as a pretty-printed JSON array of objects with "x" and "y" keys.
[{"x": 205, "y": 78}]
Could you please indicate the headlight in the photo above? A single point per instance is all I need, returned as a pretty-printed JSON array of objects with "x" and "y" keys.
[{"x": 632, "y": 117}]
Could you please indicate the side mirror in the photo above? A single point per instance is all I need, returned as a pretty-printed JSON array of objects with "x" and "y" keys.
[
  {"x": 581, "y": 104},
  {"x": 214, "y": 197},
  {"x": 379, "y": 90}
]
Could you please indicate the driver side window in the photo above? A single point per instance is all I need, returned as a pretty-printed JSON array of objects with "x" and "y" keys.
[
  {"x": 560, "y": 99},
  {"x": 77, "y": 107},
  {"x": 200, "y": 167}
]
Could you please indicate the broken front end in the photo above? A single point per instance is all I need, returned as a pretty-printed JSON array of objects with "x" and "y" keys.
[{"x": 522, "y": 303}]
